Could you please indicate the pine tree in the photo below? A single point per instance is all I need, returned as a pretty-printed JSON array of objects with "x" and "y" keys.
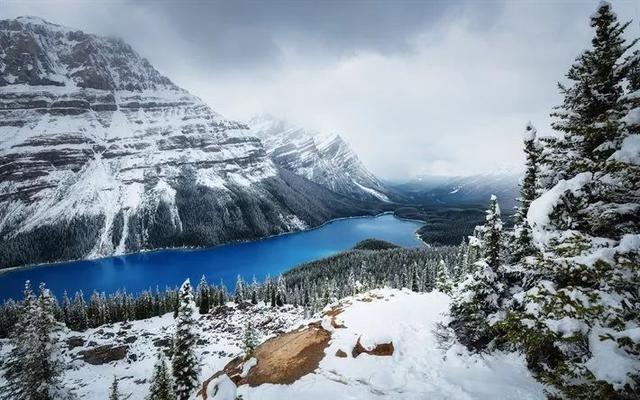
[
  {"x": 443, "y": 281},
  {"x": 492, "y": 231},
  {"x": 184, "y": 362},
  {"x": 114, "y": 392},
  {"x": 250, "y": 340},
  {"x": 204, "y": 301},
  {"x": 254, "y": 291},
  {"x": 33, "y": 370},
  {"x": 66, "y": 309},
  {"x": 589, "y": 117},
  {"x": 523, "y": 246},
  {"x": 415, "y": 285},
  {"x": 586, "y": 223},
  {"x": 281, "y": 292},
  {"x": 239, "y": 292},
  {"x": 476, "y": 302},
  {"x": 223, "y": 296},
  {"x": 161, "y": 382}
]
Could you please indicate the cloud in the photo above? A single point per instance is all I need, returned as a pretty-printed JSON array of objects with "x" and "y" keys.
[{"x": 415, "y": 87}]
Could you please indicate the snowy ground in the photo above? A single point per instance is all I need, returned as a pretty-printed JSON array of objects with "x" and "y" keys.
[
  {"x": 219, "y": 342},
  {"x": 420, "y": 368}
]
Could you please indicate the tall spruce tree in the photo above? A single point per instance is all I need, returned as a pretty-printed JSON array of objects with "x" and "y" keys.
[
  {"x": 476, "y": 302},
  {"x": 249, "y": 340},
  {"x": 184, "y": 362},
  {"x": 522, "y": 242},
  {"x": 204, "y": 301},
  {"x": 239, "y": 292},
  {"x": 33, "y": 370},
  {"x": 161, "y": 382},
  {"x": 589, "y": 118},
  {"x": 492, "y": 235},
  {"x": 586, "y": 222},
  {"x": 254, "y": 290},
  {"x": 443, "y": 281}
]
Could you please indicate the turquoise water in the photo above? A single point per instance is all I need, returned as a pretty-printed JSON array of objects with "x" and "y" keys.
[{"x": 274, "y": 255}]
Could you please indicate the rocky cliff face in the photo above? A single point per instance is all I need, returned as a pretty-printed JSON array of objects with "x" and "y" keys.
[
  {"x": 100, "y": 154},
  {"x": 325, "y": 159}
]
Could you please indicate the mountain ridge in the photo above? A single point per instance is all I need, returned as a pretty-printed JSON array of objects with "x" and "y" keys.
[
  {"x": 324, "y": 158},
  {"x": 100, "y": 154}
]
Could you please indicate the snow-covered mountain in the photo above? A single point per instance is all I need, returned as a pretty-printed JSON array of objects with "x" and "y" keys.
[
  {"x": 323, "y": 158},
  {"x": 101, "y": 154}
]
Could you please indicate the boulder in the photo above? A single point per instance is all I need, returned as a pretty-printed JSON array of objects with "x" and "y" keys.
[{"x": 104, "y": 354}]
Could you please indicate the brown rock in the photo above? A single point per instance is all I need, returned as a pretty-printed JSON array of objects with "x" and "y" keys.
[
  {"x": 281, "y": 360},
  {"x": 75, "y": 341},
  {"x": 382, "y": 349},
  {"x": 104, "y": 354},
  {"x": 341, "y": 354}
]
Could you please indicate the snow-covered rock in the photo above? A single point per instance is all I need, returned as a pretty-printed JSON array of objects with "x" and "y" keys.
[{"x": 323, "y": 158}]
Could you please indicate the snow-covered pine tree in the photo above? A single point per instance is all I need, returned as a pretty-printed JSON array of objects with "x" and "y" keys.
[
  {"x": 223, "y": 296},
  {"x": 249, "y": 339},
  {"x": 254, "y": 290},
  {"x": 415, "y": 283},
  {"x": 66, "y": 309},
  {"x": 79, "y": 320},
  {"x": 17, "y": 361},
  {"x": 443, "y": 281},
  {"x": 589, "y": 117},
  {"x": 161, "y": 383},
  {"x": 204, "y": 302},
  {"x": 476, "y": 301},
  {"x": 184, "y": 362},
  {"x": 46, "y": 366},
  {"x": 281, "y": 291},
  {"x": 492, "y": 235},
  {"x": 460, "y": 267},
  {"x": 239, "y": 292},
  {"x": 584, "y": 306},
  {"x": 114, "y": 391},
  {"x": 32, "y": 370},
  {"x": 522, "y": 246}
]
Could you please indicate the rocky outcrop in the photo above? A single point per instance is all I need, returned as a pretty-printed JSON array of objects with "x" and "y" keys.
[
  {"x": 280, "y": 360},
  {"x": 100, "y": 154},
  {"x": 104, "y": 354},
  {"x": 381, "y": 349},
  {"x": 325, "y": 159}
]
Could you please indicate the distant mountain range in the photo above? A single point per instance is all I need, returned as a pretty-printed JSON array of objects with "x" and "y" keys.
[
  {"x": 472, "y": 190},
  {"x": 322, "y": 158},
  {"x": 100, "y": 154}
]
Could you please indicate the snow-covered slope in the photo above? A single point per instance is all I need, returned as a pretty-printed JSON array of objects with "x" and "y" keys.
[
  {"x": 100, "y": 154},
  {"x": 128, "y": 350},
  {"x": 421, "y": 366},
  {"x": 324, "y": 159}
]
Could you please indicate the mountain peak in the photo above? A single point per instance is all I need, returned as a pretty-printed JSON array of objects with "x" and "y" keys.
[
  {"x": 324, "y": 158},
  {"x": 39, "y": 53}
]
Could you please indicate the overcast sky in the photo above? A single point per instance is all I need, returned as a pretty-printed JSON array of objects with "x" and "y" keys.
[{"x": 435, "y": 87}]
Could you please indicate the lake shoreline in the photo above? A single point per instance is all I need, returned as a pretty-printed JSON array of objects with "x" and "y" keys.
[{"x": 9, "y": 270}]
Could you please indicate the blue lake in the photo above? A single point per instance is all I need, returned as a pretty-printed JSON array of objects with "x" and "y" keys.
[{"x": 274, "y": 255}]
